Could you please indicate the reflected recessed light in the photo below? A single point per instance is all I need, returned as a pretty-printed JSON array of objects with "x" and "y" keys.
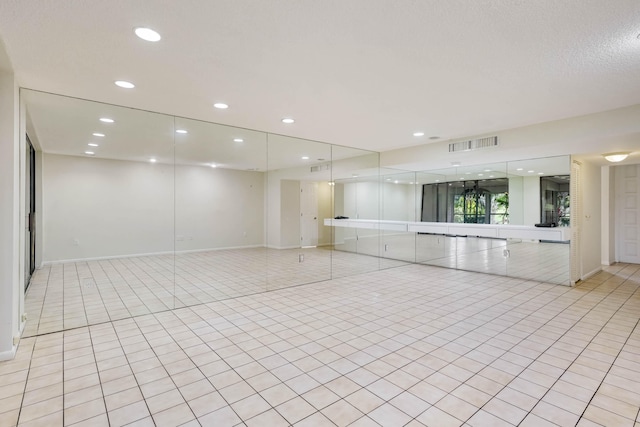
[
  {"x": 147, "y": 34},
  {"x": 305, "y": 157},
  {"x": 490, "y": 176},
  {"x": 456, "y": 163},
  {"x": 213, "y": 165},
  {"x": 98, "y": 134},
  {"x": 238, "y": 140},
  {"x": 106, "y": 120},
  {"x": 467, "y": 173},
  {"x": 540, "y": 173},
  {"x": 461, "y": 177},
  {"x": 531, "y": 171},
  {"x": 152, "y": 160},
  {"x": 125, "y": 84},
  {"x": 480, "y": 174},
  {"x": 418, "y": 134},
  {"x": 519, "y": 169},
  {"x": 487, "y": 170},
  {"x": 437, "y": 180},
  {"x": 221, "y": 105},
  {"x": 434, "y": 137},
  {"x": 355, "y": 175},
  {"x": 396, "y": 181},
  {"x": 92, "y": 144},
  {"x": 181, "y": 131},
  {"x": 90, "y": 153},
  {"x": 288, "y": 120}
]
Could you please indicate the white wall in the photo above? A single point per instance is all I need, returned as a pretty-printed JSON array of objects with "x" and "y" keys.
[
  {"x": 516, "y": 201},
  {"x": 218, "y": 208},
  {"x": 607, "y": 212},
  {"x": 531, "y": 200},
  {"x": 289, "y": 214},
  {"x": 399, "y": 202},
  {"x": 95, "y": 208},
  {"x": 590, "y": 232},
  {"x": 11, "y": 287}
]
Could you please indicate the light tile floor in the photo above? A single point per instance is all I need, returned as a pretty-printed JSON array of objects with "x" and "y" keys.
[
  {"x": 73, "y": 294},
  {"x": 414, "y": 345}
]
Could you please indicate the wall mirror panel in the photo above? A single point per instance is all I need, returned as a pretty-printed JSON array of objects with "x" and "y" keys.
[
  {"x": 104, "y": 212},
  {"x": 147, "y": 212},
  {"x": 399, "y": 206},
  {"x": 514, "y": 197},
  {"x": 356, "y": 230},
  {"x": 219, "y": 211},
  {"x": 299, "y": 198}
]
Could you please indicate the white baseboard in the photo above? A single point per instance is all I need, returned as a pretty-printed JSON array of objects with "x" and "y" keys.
[
  {"x": 591, "y": 273},
  {"x": 9, "y": 354},
  {"x": 103, "y": 258}
]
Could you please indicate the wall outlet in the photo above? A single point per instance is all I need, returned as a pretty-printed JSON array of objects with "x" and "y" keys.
[
  {"x": 16, "y": 340},
  {"x": 24, "y": 317}
]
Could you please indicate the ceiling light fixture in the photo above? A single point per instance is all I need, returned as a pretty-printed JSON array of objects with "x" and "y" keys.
[
  {"x": 90, "y": 153},
  {"x": 183, "y": 131},
  {"x": 418, "y": 134},
  {"x": 124, "y": 84},
  {"x": 531, "y": 171},
  {"x": 288, "y": 120},
  {"x": 221, "y": 105},
  {"x": 540, "y": 173},
  {"x": 152, "y": 160},
  {"x": 615, "y": 157},
  {"x": 147, "y": 34},
  {"x": 98, "y": 134},
  {"x": 238, "y": 140},
  {"x": 213, "y": 165},
  {"x": 91, "y": 144},
  {"x": 106, "y": 120},
  {"x": 519, "y": 169},
  {"x": 305, "y": 157}
]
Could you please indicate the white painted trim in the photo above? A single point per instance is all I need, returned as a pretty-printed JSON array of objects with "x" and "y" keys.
[
  {"x": 148, "y": 254},
  {"x": 592, "y": 273},
  {"x": 8, "y": 355}
]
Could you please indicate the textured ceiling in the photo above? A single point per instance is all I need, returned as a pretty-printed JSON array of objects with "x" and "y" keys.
[{"x": 360, "y": 73}]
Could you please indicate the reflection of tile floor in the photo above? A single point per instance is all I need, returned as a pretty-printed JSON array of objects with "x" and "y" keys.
[
  {"x": 74, "y": 294},
  {"x": 415, "y": 345}
]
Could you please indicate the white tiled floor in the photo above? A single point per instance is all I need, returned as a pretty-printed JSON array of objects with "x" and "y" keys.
[{"x": 414, "y": 345}]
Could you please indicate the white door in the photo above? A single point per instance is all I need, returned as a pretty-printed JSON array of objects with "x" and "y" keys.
[
  {"x": 308, "y": 214},
  {"x": 627, "y": 213}
]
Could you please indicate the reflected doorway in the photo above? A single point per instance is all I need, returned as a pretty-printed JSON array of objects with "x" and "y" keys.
[
  {"x": 308, "y": 214},
  {"x": 30, "y": 209}
]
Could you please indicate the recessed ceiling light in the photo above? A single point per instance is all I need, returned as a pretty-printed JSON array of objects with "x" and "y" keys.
[
  {"x": 437, "y": 180},
  {"x": 531, "y": 171},
  {"x": 152, "y": 160},
  {"x": 540, "y": 173},
  {"x": 147, "y": 34},
  {"x": 213, "y": 165},
  {"x": 519, "y": 169},
  {"x": 490, "y": 176},
  {"x": 455, "y": 163},
  {"x": 238, "y": 140},
  {"x": 462, "y": 177},
  {"x": 221, "y": 105},
  {"x": 98, "y": 134},
  {"x": 288, "y": 120},
  {"x": 388, "y": 179},
  {"x": 396, "y": 181},
  {"x": 92, "y": 144},
  {"x": 91, "y": 153},
  {"x": 125, "y": 84},
  {"x": 181, "y": 131},
  {"x": 106, "y": 120},
  {"x": 480, "y": 174},
  {"x": 487, "y": 170},
  {"x": 305, "y": 157},
  {"x": 418, "y": 134}
]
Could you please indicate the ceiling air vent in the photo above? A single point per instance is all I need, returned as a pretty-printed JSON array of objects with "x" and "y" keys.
[
  {"x": 474, "y": 144},
  {"x": 319, "y": 168}
]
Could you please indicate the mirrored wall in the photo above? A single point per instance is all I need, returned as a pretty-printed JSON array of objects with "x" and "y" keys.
[{"x": 140, "y": 212}]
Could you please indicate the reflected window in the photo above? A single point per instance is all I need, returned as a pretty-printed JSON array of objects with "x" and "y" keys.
[
  {"x": 554, "y": 192},
  {"x": 472, "y": 202}
]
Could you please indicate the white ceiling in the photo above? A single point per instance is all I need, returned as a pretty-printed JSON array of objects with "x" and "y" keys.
[{"x": 360, "y": 73}]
